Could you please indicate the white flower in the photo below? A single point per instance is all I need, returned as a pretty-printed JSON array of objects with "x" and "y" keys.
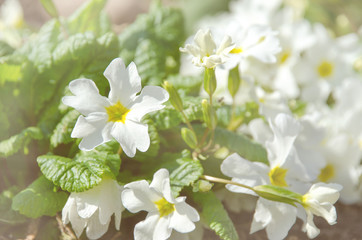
[
  {"x": 205, "y": 53},
  {"x": 164, "y": 212},
  {"x": 93, "y": 209},
  {"x": 118, "y": 116},
  {"x": 319, "y": 201}
]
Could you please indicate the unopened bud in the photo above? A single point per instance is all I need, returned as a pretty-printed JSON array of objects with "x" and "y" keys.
[
  {"x": 209, "y": 114},
  {"x": 209, "y": 81},
  {"x": 234, "y": 81},
  {"x": 202, "y": 186},
  {"x": 278, "y": 194},
  {"x": 175, "y": 98},
  {"x": 189, "y": 137}
]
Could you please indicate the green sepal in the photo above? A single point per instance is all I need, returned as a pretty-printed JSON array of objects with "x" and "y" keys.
[
  {"x": 189, "y": 137},
  {"x": 39, "y": 199},
  {"x": 209, "y": 81},
  {"x": 278, "y": 194},
  {"x": 234, "y": 81}
]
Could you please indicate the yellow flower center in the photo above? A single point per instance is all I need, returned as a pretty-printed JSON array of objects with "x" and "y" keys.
[
  {"x": 277, "y": 176},
  {"x": 326, "y": 173},
  {"x": 164, "y": 207},
  {"x": 236, "y": 50},
  {"x": 325, "y": 69},
  {"x": 117, "y": 112},
  {"x": 284, "y": 56}
]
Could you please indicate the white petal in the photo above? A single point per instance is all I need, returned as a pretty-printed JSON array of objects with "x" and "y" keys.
[
  {"x": 205, "y": 42},
  {"x": 144, "y": 230},
  {"x": 140, "y": 135},
  {"x": 87, "y": 98},
  {"x": 124, "y": 83},
  {"x": 159, "y": 178},
  {"x": 309, "y": 226},
  {"x": 138, "y": 196},
  {"x": 125, "y": 138},
  {"x": 183, "y": 217},
  {"x": 325, "y": 192},
  {"x": 70, "y": 214},
  {"x": 162, "y": 230},
  {"x": 150, "y": 99},
  {"x": 94, "y": 129},
  {"x": 96, "y": 229}
]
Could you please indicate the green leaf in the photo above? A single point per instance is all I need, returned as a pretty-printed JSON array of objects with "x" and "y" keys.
[
  {"x": 9, "y": 73},
  {"x": 241, "y": 144},
  {"x": 190, "y": 85},
  {"x": 39, "y": 199},
  {"x": 169, "y": 117},
  {"x": 186, "y": 174},
  {"x": 215, "y": 216},
  {"x": 64, "y": 129},
  {"x": 49, "y": 7},
  {"x": 89, "y": 18},
  {"x": 5, "y": 49},
  {"x": 8, "y": 215},
  {"x": 83, "y": 172},
  {"x": 15, "y": 143}
]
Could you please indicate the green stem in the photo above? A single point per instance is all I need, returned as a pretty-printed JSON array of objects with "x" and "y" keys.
[{"x": 224, "y": 181}]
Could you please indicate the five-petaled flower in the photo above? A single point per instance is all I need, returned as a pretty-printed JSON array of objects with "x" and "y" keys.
[
  {"x": 164, "y": 212},
  {"x": 118, "y": 116}
]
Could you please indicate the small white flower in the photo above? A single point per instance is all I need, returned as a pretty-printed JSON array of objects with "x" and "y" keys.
[
  {"x": 204, "y": 51},
  {"x": 319, "y": 201},
  {"x": 118, "y": 116},
  {"x": 93, "y": 209},
  {"x": 164, "y": 212}
]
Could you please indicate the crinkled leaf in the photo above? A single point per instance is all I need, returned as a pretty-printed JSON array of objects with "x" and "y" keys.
[
  {"x": 39, "y": 199},
  {"x": 214, "y": 215},
  {"x": 188, "y": 84},
  {"x": 242, "y": 115},
  {"x": 7, "y": 214},
  {"x": 64, "y": 129},
  {"x": 81, "y": 173},
  {"x": 169, "y": 117},
  {"x": 241, "y": 144},
  {"x": 15, "y": 143},
  {"x": 186, "y": 174},
  {"x": 5, "y": 49}
]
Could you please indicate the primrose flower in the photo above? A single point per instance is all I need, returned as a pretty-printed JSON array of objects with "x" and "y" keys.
[
  {"x": 204, "y": 51},
  {"x": 118, "y": 116},
  {"x": 93, "y": 209},
  {"x": 319, "y": 201},
  {"x": 164, "y": 212}
]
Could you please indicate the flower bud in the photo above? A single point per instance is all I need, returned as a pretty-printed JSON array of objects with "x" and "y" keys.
[
  {"x": 234, "y": 81},
  {"x": 189, "y": 137},
  {"x": 209, "y": 114},
  {"x": 175, "y": 98},
  {"x": 278, "y": 194},
  {"x": 209, "y": 81},
  {"x": 202, "y": 186}
]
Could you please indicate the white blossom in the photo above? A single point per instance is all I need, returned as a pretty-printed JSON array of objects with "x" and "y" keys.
[
  {"x": 118, "y": 116},
  {"x": 164, "y": 211},
  {"x": 92, "y": 209}
]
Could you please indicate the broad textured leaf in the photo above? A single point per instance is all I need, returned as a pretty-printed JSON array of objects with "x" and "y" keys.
[
  {"x": 15, "y": 143},
  {"x": 39, "y": 199},
  {"x": 64, "y": 129},
  {"x": 187, "y": 173},
  {"x": 49, "y": 7},
  {"x": 241, "y": 144},
  {"x": 188, "y": 84},
  {"x": 215, "y": 216},
  {"x": 5, "y": 49},
  {"x": 83, "y": 172}
]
